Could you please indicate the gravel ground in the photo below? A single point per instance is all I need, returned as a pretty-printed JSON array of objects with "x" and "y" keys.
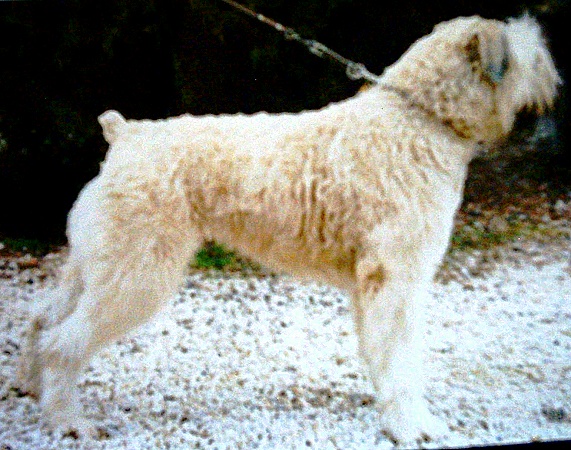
[{"x": 263, "y": 361}]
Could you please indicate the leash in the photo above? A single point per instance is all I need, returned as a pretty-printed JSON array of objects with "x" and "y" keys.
[{"x": 354, "y": 70}]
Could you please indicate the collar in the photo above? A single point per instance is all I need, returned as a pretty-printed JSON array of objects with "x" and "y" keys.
[{"x": 403, "y": 94}]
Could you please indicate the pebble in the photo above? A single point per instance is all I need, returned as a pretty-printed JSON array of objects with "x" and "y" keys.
[{"x": 252, "y": 373}]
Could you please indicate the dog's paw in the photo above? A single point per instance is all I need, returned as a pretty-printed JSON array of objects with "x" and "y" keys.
[
  {"x": 76, "y": 427},
  {"x": 27, "y": 386},
  {"x": 63, "y": 415},
  {"x": 28, "y": 378},
  {"x": 414, "y": 424},
  {"x": 28, "y": 370}
]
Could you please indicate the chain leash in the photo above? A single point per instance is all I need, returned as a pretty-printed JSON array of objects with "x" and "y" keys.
[{"x": 354, "y": 70}]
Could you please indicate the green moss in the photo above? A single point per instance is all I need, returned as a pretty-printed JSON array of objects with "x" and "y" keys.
[
  {"x": 215, "y": 256},
  {"x": 473, "y": 238},
  {"x": 23, "y": 245}
]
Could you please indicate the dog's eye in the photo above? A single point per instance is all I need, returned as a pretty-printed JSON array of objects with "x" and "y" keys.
[{"x": 496, "y": 72}]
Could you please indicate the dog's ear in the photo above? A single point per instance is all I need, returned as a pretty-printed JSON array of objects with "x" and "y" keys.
[{"x": 487, "y": 53}]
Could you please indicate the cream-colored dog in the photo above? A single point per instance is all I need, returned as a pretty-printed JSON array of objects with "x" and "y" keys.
[{"x": 360, "y": 194}]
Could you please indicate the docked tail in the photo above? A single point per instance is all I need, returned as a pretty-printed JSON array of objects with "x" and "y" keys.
[{"x": 112, "y": 123}]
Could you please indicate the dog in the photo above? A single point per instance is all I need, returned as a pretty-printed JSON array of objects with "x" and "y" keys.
[{"x": 360, "y": 194}]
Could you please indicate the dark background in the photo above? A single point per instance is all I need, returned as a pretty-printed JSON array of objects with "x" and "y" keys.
[{"x": 62, "y": 63}]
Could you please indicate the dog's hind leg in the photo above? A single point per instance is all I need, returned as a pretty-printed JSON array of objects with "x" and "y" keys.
[
  {"x": 388, "y": 307},
  {"x": 121, "y": 292},
  {"x": 57, "y": 304}
]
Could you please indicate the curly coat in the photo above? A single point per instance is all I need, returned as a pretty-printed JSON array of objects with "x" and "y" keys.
[{"x": 360, "y": 194}]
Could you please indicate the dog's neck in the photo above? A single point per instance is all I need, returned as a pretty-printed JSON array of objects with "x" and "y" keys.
[
  {"x": 402, "y": 93},
  {"x": 473, "y": 147}
]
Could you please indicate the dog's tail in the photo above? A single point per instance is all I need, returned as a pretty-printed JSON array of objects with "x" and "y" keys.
[{"x": 112, "y": 123}]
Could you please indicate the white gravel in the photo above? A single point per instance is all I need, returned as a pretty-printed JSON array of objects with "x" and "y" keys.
[{"x": 267, "y": 362}]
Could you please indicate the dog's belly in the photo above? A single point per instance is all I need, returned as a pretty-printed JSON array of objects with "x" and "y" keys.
[{"x": 285, "y": 247}]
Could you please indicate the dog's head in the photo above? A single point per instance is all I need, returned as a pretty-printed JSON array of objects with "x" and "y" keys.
[{"x": 476, "y": 74}]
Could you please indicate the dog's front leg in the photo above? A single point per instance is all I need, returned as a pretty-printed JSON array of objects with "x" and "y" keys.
[{"x": 388, "y": 305}]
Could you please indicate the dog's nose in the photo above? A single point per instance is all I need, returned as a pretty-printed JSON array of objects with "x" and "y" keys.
[{"x": 545, "y": 129}]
